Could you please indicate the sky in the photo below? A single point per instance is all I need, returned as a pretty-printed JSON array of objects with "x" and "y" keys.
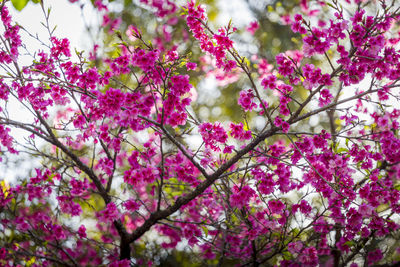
[
  {"x": 70, "y": 23},
  {"x": 66, "y": 16}
]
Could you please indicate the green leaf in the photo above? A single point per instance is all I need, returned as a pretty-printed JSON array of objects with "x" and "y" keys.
[
  {"x": 341, "y": 149},
  {"x": 350, "y": 243},
  {"x": 51, "y": 177},
  {"x": 19, "y": 4},
  {"x": 329, "y": 4},
  {"x": 205, "y": 230},
  {"x": 246, "y": 61},
  {"x": 36, "y": 1}
]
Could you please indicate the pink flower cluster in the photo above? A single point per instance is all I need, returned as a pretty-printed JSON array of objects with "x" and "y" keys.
[
  {"x": 213, "y": 134},
  {"x": 60, "y": 47},
  {"x": 11, "y": 34},
  {"x": 246, "y": 100},
  {"x": 241, "y": 197},
  {"x": 162, "y": 7},
  {"x": 314, "y": 77},
  {"x": 238, "y": 132},
  {"x": 196, "y": 16},
  {"x": 120, "y": 135}
]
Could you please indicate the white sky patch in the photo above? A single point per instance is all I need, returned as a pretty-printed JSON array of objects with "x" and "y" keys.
[
  {"x": 66, "y": 16},
  {"x": 68, "y": 22}
]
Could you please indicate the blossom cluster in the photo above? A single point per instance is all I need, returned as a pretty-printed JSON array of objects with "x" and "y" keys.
[{"x": 270, "y": 188}]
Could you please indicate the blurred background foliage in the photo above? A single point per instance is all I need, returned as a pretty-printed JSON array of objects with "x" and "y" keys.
[{"x": 217, "y": 99}]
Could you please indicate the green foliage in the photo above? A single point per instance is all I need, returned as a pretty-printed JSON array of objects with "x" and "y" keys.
[{"x": 19, "y": 4}]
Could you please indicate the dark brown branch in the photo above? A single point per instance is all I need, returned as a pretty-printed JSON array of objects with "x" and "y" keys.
[{"x": 124, "y": 244}]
